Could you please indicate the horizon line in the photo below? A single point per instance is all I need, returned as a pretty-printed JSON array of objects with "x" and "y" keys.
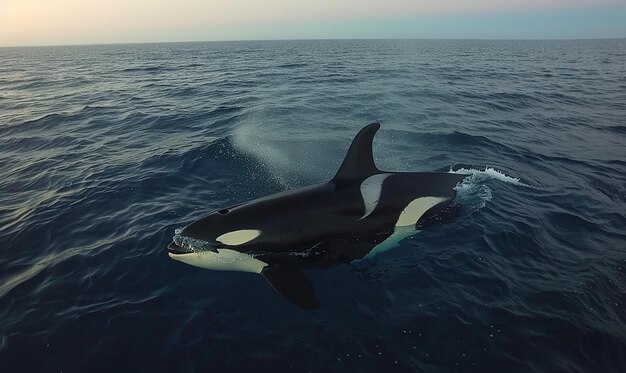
[{"x": 298, "y": 39}]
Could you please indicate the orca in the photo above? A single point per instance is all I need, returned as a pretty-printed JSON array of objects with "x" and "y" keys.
[{"x": 362, "y": 211}]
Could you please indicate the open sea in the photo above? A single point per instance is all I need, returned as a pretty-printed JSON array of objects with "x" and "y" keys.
[{"x": 106, "y": 150}]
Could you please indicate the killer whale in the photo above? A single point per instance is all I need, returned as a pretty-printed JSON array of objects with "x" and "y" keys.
[{"x": 351, "y": 217}]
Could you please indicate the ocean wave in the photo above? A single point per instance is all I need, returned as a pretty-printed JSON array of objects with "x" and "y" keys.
[{"x": 148, "y": 69}]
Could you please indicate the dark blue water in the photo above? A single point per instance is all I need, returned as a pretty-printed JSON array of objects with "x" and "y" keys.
[{"x": 106, "y": 150}]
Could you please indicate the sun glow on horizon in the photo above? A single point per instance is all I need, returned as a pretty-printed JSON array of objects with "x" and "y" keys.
[{"x": 49, "y": 22}]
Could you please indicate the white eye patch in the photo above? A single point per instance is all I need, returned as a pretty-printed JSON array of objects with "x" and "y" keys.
[{"x": 239, "y": 237}]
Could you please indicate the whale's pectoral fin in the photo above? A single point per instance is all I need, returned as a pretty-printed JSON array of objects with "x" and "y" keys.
[{"x": 293, "y": 285}]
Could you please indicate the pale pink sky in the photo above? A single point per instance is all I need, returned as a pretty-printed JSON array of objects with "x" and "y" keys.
[{"x": 45, "y": 22}]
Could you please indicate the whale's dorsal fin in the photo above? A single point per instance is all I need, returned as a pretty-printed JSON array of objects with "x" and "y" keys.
[{"x": 359, "y": 162}]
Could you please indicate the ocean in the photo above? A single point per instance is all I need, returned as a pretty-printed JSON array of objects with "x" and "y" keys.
[{"x": 106, "y": 150}]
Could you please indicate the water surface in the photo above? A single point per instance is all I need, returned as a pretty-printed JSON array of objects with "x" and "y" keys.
[{"x": 106, "y": 150}]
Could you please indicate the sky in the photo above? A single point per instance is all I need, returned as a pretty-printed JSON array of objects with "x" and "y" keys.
[{"x": 68, "y": 22}]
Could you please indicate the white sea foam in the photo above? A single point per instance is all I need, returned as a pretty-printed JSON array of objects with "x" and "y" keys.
[
  {"x": 189, "y": 243},
  {"x": 477, "y": 175},
  {"x": 473, "y": 196},
  {"x": 472, "y": 193}
]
